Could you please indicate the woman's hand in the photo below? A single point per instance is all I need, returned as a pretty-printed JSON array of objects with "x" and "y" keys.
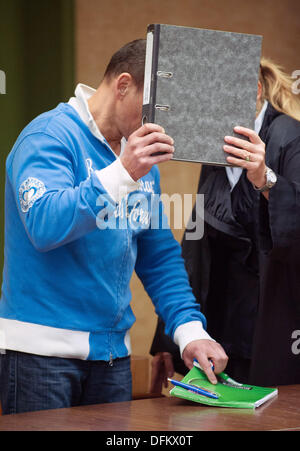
[{"x": 248, "y": 155}]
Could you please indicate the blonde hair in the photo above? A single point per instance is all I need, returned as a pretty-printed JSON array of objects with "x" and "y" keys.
[{"x": 277, "y": 88}]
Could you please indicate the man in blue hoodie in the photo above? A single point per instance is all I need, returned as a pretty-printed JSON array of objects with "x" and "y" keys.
[{"x": 82, "y": 213}]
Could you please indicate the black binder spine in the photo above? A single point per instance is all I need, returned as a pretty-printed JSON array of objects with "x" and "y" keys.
[{"x": 151, "y": 64}]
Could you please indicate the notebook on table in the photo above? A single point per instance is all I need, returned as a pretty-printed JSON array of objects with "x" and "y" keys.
[{"x": 229, "y": 393}]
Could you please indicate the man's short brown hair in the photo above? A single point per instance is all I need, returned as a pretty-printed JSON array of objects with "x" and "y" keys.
[{"x": 131, "y": 59}]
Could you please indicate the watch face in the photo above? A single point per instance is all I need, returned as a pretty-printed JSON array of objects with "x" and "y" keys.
[{"x": 271, "y": 178}]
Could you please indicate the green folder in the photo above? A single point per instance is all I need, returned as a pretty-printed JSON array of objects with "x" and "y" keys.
[{"x": 230, "y": 393}]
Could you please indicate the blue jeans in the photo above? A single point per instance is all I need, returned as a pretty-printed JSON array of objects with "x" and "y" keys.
[{"x": 30, "y": 382}]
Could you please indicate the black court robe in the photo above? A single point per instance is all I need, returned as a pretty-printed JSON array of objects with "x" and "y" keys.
[{"x": 245, "y": 271}]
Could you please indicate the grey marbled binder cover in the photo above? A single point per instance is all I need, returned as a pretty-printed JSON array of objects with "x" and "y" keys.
[{"x": 213, "y": 88}]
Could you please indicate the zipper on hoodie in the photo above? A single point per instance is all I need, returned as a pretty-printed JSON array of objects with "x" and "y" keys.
[{"x": 111, "y": 363}]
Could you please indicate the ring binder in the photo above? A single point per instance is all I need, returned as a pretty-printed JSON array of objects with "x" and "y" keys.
[{"x": 214, "y": 89}]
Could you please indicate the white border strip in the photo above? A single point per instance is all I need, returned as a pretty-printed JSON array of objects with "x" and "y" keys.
[
  {"x": 148, "y": 68},
  {"x": 43, "y": 340}
]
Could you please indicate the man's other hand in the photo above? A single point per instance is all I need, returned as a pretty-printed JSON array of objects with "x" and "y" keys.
[{"x": 210, "y": 356}]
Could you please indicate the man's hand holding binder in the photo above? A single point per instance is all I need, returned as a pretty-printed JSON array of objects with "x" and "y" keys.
[{"x": 137, "y": 157}]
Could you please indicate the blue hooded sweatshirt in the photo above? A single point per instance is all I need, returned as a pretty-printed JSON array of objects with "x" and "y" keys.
[{"x": 71, "y": 249}]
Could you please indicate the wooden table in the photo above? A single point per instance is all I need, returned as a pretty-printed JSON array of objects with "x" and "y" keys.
[{"x": 163, "y": 414}]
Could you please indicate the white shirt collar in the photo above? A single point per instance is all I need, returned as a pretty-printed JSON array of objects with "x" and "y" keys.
[
  {"x": 260, "y": 118},
  {"x": 80, "y": 104}
]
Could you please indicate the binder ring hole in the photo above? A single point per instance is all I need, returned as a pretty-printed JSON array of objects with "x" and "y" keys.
[
  {"x": 164, "y": 74},
  {"x": 162, "y": 107}
]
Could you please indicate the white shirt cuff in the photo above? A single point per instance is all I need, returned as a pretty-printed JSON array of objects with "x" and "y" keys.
[
  {"x": 116, "y": 180},
  {"x": 187, "y": 332}
]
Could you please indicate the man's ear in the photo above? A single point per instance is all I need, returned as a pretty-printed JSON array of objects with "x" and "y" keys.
[{"x": 124, "y": 81}]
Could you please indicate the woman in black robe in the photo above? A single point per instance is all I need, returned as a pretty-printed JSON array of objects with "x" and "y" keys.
[{"x": 245, "y": 271}]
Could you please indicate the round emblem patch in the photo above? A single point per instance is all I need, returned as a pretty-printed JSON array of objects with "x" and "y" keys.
[{"x": 30, "y": 190}]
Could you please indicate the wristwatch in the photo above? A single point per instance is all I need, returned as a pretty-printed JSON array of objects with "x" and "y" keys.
[{"x": 271, "y": 180}]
